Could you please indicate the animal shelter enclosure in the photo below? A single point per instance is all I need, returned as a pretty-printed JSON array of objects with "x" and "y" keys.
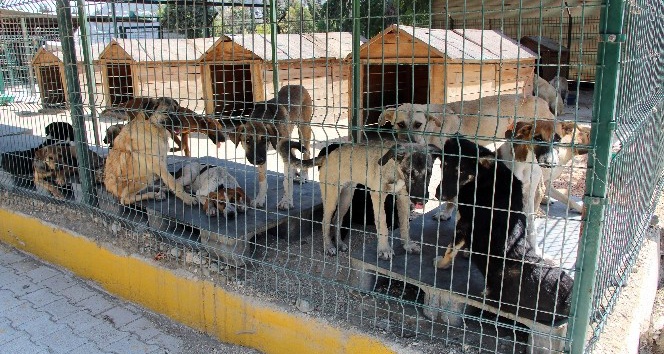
[{"x": 478, "y": 219}]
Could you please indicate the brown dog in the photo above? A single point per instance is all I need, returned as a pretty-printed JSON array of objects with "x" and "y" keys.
[
  {"x": 58, "y": 163},
  {"x": 191, "y": 122},
  {"x": 223, "y": 201},
  {"x": 111, "y": 133},
  {"x": 138, "y": 158},
  {"x": 130, "y": 109},
  {"x": 272, "y": 121},
  {"x": 574, "y": 135}
]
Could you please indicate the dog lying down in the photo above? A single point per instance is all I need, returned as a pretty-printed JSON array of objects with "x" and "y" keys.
[
  {"x": 491, "y": 223},
  {"x": 214, "y": 187}
]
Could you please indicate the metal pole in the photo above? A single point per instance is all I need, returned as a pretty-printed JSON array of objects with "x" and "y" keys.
[
  {"x": 89, "y": 72},
  {"x": 75, "y": 102},
  {"x": 355, "y": 129},
  {"x": 603, "y": 125},
  {"x": 29, "y": 52},
  {"x": 273, "y": 38},
  {"x": 115, "y": 20}
]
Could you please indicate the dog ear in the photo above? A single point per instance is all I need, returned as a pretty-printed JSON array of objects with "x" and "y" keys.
[
  {"x": 389, "y": 155},
  {"x": 568, "y": 127},
  {"x": 583, "y": 137},
  {"x": 387, "y": 115},
  {"x": 433, "y": 118},
  {"x": 237, "y": 135},
  {"x": 523, "y": 130}
]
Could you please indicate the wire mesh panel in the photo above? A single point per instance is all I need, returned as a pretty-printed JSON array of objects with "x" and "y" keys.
[{"x": 413, "y": 169}]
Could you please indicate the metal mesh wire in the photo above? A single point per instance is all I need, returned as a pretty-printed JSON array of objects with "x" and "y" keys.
[{"x": 216, "y": 66}]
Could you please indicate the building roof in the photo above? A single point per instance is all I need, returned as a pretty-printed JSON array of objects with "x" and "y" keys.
[
  {"x": 162, "y": 50},
  {"x": 459, "y": 45},
  {"x": 294, "y": 47}
]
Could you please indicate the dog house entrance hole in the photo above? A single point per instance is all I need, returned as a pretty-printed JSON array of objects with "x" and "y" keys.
[
  {"x": 232, "y": 90},
  {"x": 120, "y": 83},
  {"x": 52, "y": 87},
  {"x": 391, "y": 85}
]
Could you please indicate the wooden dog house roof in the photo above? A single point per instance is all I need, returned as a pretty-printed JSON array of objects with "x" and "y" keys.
[
  {"x": 157, "y": 50},
  {"x": 46, "y": 56},
  {"x": 290, "y": 47},
  {"x": 469, "y": 45}
]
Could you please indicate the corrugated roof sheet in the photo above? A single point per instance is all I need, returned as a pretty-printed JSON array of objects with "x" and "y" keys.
[
  {"x": 469, "y": 44},
  {"x": 95, "y": 51},
  {"x": 172, "y": 49},
  {"x": 335, "y": 45}
]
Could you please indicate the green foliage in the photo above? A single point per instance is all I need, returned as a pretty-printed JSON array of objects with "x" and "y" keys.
[
  {"x": 375, "y": 15},
  {"x": 189, "y": 18},
  {"x": 235, "y": 20}
]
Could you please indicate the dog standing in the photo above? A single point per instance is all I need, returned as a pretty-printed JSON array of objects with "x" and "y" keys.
[
  {"x": 485, "y": 118},
  {"x": 404, "y": 170},
  {"x": 191, "y": 122},
  {"x": 138, "y": 158},
  {"x": 215, "y": 188},
  {"x": 530, "y": 147},
  {"x": 491, "y": 224},
  {"x": 574, "y": 135},
  {"x": 550, "y": 94},
  {"x": 276, "y": 120}
]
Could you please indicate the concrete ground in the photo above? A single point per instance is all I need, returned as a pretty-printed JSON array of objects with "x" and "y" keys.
[{"x": 44, "y": 309}]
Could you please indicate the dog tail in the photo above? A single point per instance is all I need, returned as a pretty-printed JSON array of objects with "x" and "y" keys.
[{"x": 285, "y": 150}]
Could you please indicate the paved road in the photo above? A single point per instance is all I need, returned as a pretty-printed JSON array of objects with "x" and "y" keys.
[{"x": 44, "y": 309}]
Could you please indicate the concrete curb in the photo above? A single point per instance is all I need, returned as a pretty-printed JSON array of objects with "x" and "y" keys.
[{"x": 631, "y": 316}]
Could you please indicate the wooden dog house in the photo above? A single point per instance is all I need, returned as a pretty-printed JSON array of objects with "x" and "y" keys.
[
  {"x": 405, "y": 64},
  {"x": 49, "y": 69},
  {"x": 238, "y": 70},
  {"x": 153, "y": 67}
]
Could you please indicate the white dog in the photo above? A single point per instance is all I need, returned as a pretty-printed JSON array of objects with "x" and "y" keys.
[{"x": 215, "y": 188}]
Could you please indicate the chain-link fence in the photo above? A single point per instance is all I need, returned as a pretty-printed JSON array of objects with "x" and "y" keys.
[{"x": 476, "y": 166}]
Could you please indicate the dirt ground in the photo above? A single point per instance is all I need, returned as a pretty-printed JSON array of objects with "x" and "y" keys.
[{"x": 653, "y": 343}]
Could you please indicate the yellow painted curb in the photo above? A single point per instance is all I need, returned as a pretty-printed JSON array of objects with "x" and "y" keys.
[{"x": 197, "y": 303}]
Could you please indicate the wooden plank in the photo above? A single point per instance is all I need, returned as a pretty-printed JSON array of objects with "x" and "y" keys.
[
  {"x": 257, "y": 81},
  {"x": 436, "y": 84},
  {"x": 405, "y": 52}
]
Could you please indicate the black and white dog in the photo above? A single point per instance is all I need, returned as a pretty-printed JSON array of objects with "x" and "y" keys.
[{"x": 491, "y": 223}]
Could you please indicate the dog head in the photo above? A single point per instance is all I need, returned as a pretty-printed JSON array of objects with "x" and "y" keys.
[
  {"x": 111, "y": 133},
  {"x": 575, "y": 134},
  {"x": 463, "y": 160},
  {"x": 213, "y": 129},
  {"x": 254, "y": 138},
  {"x": 410, "y": 120},
  {"x": 60, "y": 159},
  {"x": 61, "y": 131},
  {"x": 415, "y": 163},
  {"x": 227, "y": 201},
  {"x": 166, "y": 104},
  {"x": 542, "y": 137}
]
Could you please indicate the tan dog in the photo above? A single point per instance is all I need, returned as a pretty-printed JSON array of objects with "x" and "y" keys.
[
  {"x": 546, "y": 91},
  {"x": 485, "y": 118},
  {"x": 530, "y": 147},
  {"x": 59, "y": 163},
  {"x": 138, "y": 158},
  {"x": 572, "y": 134},
  {"x": 270, "y": 122},
  {"x": 404, "y": 170}
]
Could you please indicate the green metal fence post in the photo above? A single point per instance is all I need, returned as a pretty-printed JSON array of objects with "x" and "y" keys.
[
  {"x": 274, "y": 29},
  {"x": 354, "y": 127},
  {"x": 603, "y": 125},
  {"x": 89, "y": 74},
  {"x": 75, "y": 101}
]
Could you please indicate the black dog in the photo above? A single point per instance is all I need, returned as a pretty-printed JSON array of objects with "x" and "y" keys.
[
  {"x": 19, "y": 163},
  {"x": 361, "y": 209},
  {"x": 492, "y": 224}
]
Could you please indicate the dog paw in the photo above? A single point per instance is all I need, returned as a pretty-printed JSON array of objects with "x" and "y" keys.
[
  {"x": 256, "y": 203},
  {"x": 159, "y": 195},
  {"x": 443, "y": 215},
  {"x": 285, "y": 204},
  {"x": 331, "y": 251},
  {"x": 301, "y": 178},
  {"x": 342, "y": 246},
  {"x": 412, "y": 247},
  {"x": 465, "y": 253},
  {"x": 385, "y": 253},
  {"x": 440, "y": 263},
  {"x": 189, "y": 200}
]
